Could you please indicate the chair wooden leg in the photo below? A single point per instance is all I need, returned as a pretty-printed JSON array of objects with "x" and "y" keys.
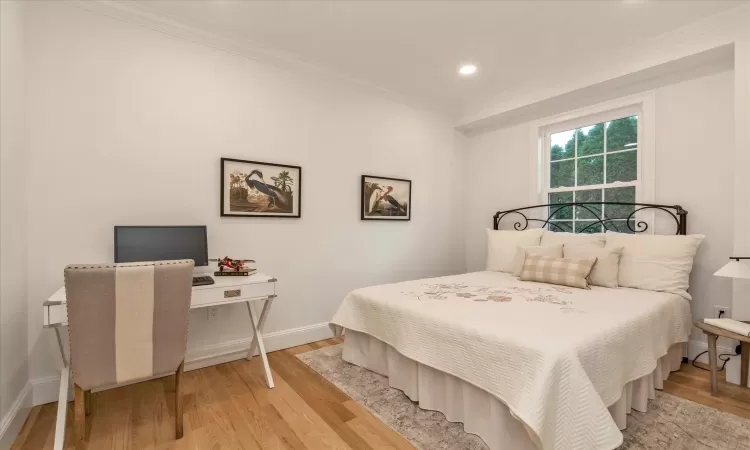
[
  {"x": 87, "y": 401},
  {"x": 79, "y": 418},
  {"x": 178, "y": 400}
]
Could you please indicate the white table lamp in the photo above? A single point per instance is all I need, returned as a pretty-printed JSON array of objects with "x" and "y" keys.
[{"x": 735, "y": 268}]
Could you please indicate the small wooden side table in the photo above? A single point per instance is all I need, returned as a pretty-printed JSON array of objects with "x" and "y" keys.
[{"x": 713, "y": 333}]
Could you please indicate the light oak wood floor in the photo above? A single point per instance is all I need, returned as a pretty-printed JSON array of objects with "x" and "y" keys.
[{"x": 229, "y": 407}]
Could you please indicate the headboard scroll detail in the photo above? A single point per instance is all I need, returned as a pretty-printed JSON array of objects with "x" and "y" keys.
[{"x": 560, "y": 217}]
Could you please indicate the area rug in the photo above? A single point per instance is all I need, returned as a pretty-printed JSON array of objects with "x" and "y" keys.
[{"x": 671, "y": 423}]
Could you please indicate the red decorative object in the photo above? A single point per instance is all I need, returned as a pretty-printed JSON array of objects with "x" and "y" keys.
[{"x": 232, "y": 265}]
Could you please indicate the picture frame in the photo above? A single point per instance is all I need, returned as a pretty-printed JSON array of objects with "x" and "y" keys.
[
  {"x": 260, "y": 189},
  {"x": 385, "y": 198}
]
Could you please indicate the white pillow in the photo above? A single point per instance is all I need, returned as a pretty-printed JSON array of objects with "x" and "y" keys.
[
  {"x": 560, "y": 238},
  {"x": 502, "y": 245},
  {"x": 555, "y": 251},
  {"x": 656, "y": 263},
  {"x": 606, "y": 269}
]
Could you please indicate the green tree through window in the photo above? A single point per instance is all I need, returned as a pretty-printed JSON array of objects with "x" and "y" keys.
[{"x": 594, "y": 163}]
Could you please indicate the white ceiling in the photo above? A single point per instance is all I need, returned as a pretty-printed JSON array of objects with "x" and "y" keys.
[{"x": 413, "y": 48}]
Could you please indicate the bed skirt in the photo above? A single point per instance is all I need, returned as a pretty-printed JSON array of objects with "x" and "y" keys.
[{"x": 481, "y": 413}]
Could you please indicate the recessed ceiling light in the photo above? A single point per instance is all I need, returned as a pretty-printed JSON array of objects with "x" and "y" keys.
[{"x": 467, "y": 69}]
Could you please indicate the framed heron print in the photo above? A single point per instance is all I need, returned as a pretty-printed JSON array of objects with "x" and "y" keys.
[
  {"x": 260, "y": 189},
  {"x": 385, "y": 198}
]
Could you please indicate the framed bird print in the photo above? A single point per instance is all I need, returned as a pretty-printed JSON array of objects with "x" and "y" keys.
[
  {"x": 260, "y": 189},
  {"x": 385, "y": 198}
]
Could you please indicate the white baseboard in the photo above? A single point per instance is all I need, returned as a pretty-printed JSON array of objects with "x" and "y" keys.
[
  {"x": 45, "y": 390},
  {"x": 697, "y": 347},
  {"x": 211, "y": 355},
  {"x": 14, "y": 419}
]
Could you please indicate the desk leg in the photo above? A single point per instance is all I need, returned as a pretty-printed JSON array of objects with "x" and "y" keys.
[
  {"x": 261, "y": 324},
  {"x": 258, "y": 337},
  {"x": 713, "y": 362},
  {"x": 62, "y": 409}
]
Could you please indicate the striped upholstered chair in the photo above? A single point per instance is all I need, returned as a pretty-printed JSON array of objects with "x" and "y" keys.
[{"x": 126, "y": 322}]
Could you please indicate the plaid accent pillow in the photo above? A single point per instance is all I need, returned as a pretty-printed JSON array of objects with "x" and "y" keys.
[{"x": 571, "y": 272}]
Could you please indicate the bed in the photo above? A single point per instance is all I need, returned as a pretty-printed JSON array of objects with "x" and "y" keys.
[{"x": 523, "y": 365}]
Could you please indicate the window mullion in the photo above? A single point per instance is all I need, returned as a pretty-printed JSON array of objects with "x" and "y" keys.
[
  {"x": 575, "y": 173},
  {"x": 604, "y": 149},
  {"x": 575, "y": 155},
  {"x": 617, "y": 184},
  {"x": 605, "y": 153},
  {"x": 624, "y": 150},
  {"x": 574, "y": 212}
]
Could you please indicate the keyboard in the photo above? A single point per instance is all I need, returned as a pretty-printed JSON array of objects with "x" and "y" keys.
[{"x": 202, "y": 280}]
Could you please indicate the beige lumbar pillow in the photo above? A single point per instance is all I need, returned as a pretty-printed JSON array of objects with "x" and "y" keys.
[
  {"x": 561, "y": 238},
  {"x": 539, "y": 250},
  {"x": 606, "y": 269},
  {"x": 654, "y": 262},
  {"x": 502, "y": 246},
  {"x": 571, "y": 272}
]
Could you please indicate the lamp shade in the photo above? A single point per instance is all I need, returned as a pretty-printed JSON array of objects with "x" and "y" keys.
[{"x": 734, "y": 269}]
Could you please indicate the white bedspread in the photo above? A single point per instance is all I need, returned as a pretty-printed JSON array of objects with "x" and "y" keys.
[{"x": 556, "y": 356}]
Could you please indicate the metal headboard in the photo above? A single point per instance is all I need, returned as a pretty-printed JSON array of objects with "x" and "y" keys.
[{"x": 596, "y": 217}]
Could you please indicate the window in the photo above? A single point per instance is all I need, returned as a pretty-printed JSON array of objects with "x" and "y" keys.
[{"x": 594, "y": 163}]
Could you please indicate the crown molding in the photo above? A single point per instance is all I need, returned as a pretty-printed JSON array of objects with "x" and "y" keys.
[{"x": 142, "y": 16}]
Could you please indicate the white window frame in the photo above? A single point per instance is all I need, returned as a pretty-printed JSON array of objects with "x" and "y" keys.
[{"x": 641, "y": 105}]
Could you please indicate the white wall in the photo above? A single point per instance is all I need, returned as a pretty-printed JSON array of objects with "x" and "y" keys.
[
  {"x": 128, "y": 125},
  {"x": 694, "y": 168},
  {"x": 694, "y": 143},
  {"x": 742, "y": 160},
  {"x": 497, "y": 171},
  {"x": 13, "y": 309}
]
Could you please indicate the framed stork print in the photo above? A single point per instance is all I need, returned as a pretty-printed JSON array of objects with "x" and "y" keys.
[
  {"x": 385, "y": 198},
  {"x": 260, "y": 189}
]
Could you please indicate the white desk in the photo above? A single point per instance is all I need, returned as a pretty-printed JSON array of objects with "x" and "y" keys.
[{"x": 226, "y": 290}]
